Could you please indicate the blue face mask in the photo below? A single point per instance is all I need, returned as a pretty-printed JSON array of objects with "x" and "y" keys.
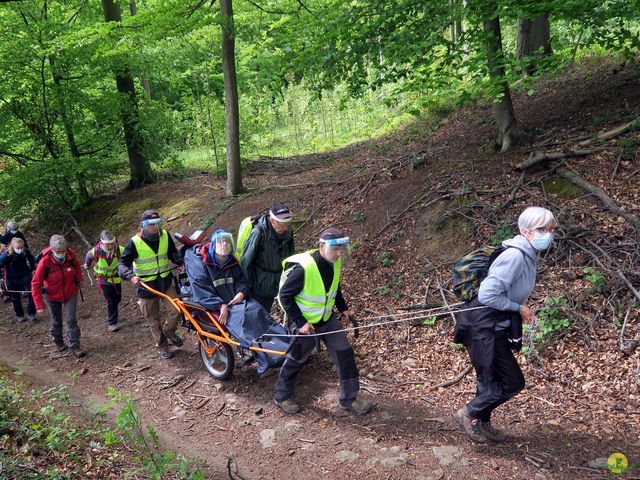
[{"x": 541, "y": 241}]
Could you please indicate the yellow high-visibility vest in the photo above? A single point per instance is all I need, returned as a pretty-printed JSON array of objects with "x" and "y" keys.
[{"x": 315, "y": 303}]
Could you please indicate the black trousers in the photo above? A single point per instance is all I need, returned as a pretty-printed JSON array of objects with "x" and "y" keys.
[
  {"x": 499, "y": 376},
  {"x": 341, "y": 353},
  {"x": 16, "y": 298},
  {"x": 112, "y": 294}
]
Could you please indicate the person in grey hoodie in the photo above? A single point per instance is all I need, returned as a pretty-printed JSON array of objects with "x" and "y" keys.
[{"x": 489, "y": 334}]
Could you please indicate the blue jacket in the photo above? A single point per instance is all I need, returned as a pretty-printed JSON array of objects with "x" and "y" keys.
[
  {"x": 213, "y": 284},
  {"x": 18, "y": 268}
]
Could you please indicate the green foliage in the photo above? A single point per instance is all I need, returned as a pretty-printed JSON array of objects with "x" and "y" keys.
[
  {"x": 392, "y": 287},
  {"x": 502, "y": 233},
  {"x": 359, "y": 217},
  {"x": 552, "y": 318},
  {"x": 157, "y": 464},
  {"x": 438, "y": 223},
  {"x": 596, "y": 278},
  {"x": 629, "y": 146},
  {"x": 385, "y": 258},
  {"x": 34, "y": 426},
  {"x": 430, "y": 321},
  {"x": 309, "y": 81}
]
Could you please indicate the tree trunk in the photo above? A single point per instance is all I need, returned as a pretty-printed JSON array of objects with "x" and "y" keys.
[
  {"x": 508, "y": 130},
  {"x": 534, "y": 41},
  {"x": 133, "y": 8},
  {"x": 71, "y": 138},
  {"x": 234, "y": 168},
  {"x": 140, "y": 171}
]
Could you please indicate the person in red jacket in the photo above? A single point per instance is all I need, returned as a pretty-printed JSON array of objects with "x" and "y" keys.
[{"x": 58, "y": 276}]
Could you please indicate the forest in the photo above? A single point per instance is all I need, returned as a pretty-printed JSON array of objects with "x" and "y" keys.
[{"x": 421, "y": 129}]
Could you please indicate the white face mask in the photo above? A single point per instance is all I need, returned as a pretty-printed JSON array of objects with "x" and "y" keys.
[
  {"x": 17, "y": 250},
  {"x": 13, "y": 231},
  {"x": 60, "y": 256}
]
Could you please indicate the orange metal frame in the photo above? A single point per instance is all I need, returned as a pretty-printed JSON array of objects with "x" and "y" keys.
[{"x": 222, "y": 337}]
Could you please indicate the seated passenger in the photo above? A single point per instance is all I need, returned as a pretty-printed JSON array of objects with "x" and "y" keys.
[{"x": 217, "y": 285}]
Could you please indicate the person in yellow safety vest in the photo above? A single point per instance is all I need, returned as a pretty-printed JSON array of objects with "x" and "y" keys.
[
  {"x": 146, "y": 258},
  {"x": 104, "y": 260},
  {"x": 309, "y": 291}
]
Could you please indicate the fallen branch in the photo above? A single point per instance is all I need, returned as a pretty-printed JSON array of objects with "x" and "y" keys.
[
  {"x": 173, "y": 383},
  {"x": 537, "y": 156},
  {"x": 624, "y": 327},
  {"x": 576, "y": 179},
  {"x": 618, "y": 273},
  {"x": 454, "y": 380},
  {"x": 444, "y": 299},
  {"x": 235, "y": 474},
  {"x": 609, "y": 134}
]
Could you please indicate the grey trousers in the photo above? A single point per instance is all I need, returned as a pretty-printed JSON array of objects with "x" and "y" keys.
[
  {"x": 68, "y": 308},
  {"x": 341, "y": 353}
]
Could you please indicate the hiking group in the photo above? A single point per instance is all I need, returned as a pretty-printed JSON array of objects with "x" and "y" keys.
[{"x": 240, "y": 283}]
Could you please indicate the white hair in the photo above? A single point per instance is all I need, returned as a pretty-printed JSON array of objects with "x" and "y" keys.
[
  {"x": 106, "y": 236},
  {"x": 58, "y": 243},
  {"x": 12, "y": 225},
  {"x": 535, "y": 217}
]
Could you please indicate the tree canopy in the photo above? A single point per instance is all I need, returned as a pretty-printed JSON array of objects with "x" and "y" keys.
[{"x": 62, "y": 107}]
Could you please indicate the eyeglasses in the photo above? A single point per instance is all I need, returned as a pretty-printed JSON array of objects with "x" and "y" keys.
[{"x": 545, "y": 229}]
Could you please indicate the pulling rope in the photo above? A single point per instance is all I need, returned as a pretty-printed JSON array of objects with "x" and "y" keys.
[{"x": 432, "y": 312}]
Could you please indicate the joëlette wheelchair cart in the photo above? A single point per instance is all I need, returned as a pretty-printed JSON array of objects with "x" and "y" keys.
[{"x": 216, "y": 344}]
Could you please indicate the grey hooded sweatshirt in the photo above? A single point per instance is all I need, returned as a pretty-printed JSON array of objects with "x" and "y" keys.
[{"x": 511, "y": 277}]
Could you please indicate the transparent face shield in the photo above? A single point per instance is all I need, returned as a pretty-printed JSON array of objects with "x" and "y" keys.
[
  {"x": 336, "y": 248},
  {"x": 223, "y": 244},
  {"x": 151, "y": 222}
]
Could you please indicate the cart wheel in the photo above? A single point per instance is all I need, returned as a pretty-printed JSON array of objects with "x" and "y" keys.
[{"x": 220, "y": 364}]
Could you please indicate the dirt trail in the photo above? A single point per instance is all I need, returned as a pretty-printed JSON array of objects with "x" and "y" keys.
[{"x": 213, "y": 420}]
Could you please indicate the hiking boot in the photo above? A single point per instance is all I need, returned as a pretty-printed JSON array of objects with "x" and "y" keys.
[
  {"x": 165, "y": 354},
  {"x": 78, "y": 352},
  {"x": 21, "y": 319},
  {"x": 470, "y": 426},
  {"x": 288, "y": 406},
  {"x": 33, "y": 318},
  {"x": 61, "y": 347},
  {"x": 491, "y": 433},
  {"x": 113, "y": 327},
  {"x": 175, "y": 340},
  {"x": 358, "y": 406}
]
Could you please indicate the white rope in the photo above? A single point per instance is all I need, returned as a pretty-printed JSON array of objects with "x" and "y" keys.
[
  {"x": 14, "y": 291},
  {"x": 378, "y": 324}
]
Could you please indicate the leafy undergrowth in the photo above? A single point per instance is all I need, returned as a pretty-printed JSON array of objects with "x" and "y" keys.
[{"x": 39, "y": 438}]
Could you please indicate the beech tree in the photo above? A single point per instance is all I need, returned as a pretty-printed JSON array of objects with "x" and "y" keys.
[
  {"x": 534, "y": 41},
  {"x": 227, "y": 36},
  {"x": 140, "y": 171}
]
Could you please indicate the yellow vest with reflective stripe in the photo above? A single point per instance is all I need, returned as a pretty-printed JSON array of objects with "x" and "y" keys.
[
  {"x": 314, "y": 302},
  {"x": 149, "y": 264},
  {"x": 103, "y": 269}
]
